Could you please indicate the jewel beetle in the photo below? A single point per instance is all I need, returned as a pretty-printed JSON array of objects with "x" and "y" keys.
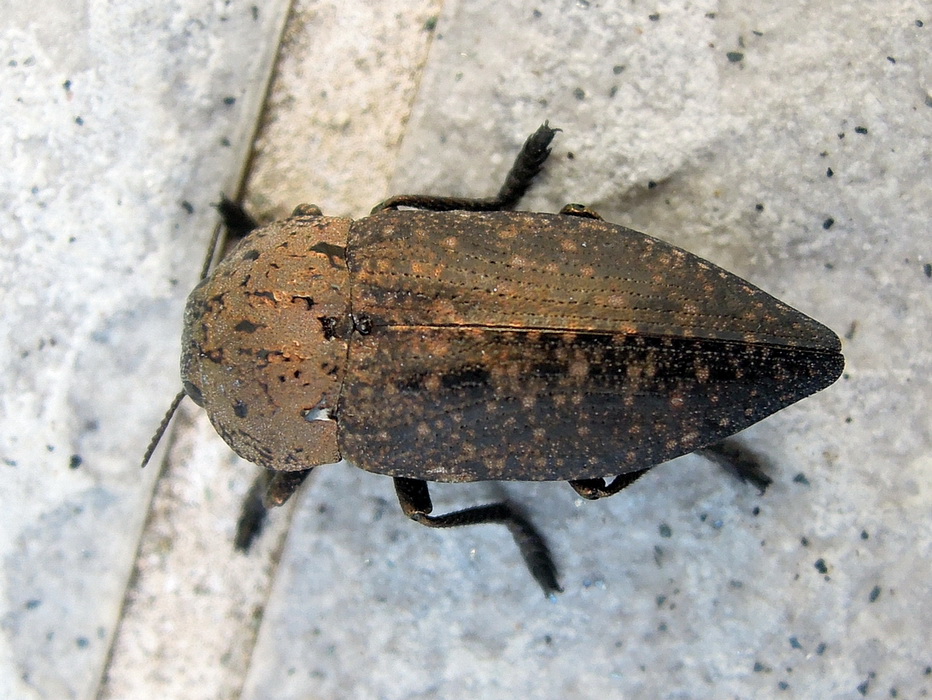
[{"x": 450, "y": 340}]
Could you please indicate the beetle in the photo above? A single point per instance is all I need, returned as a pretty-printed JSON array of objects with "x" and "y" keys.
[{"x": 451, "y": 340}]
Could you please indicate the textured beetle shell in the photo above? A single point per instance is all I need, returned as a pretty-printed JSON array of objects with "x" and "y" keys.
[
  {"x": 547, "y": 347},
  {"x": 265, "y": 343},
  {"x": 455, "y": 346}
]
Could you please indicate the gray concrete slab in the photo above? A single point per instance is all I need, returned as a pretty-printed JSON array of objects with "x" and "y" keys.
[
  {"x": 344, "y": 83},
  {"x": 120, "y": 125},
  {"x": 785, "y": 143}
]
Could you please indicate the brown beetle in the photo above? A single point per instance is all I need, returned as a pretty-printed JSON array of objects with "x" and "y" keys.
[{"x": 463, "y": 342}]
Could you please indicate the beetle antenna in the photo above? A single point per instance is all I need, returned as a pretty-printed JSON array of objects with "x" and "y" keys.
[{"x": 160, "y": 431}]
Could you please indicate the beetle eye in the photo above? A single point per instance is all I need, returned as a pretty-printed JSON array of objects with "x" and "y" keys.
[{"x": 194, "y": 393}]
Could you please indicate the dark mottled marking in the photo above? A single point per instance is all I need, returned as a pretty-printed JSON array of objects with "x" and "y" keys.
[
  {"x": 335, "y": 254},
  {"x": 246, "y": 326},
  {"x": 240, "y": 409},
  {"x": 307, "y": 300},
  {"x": 464, "y": 377},
  {"x": 329, "y": 325},
  {"x": 362, "y": 324}
]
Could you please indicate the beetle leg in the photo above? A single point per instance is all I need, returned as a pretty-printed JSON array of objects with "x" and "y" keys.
[
  {"x": 581, "y": 210},
  {"x": 282, "y": 485},
  {"x": 594, "y": 489},
  {"x": 526, "y": 166},
  {"x": 269, "y": 490},
  {"x": 414, "y": 497},
  {"x": 738, "y": 461},
  {"x": 238, "y": 222}
]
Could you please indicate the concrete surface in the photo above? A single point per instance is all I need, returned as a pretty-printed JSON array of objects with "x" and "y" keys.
[
  {"x": 120, "y": 124},
  {"x": 688, "y": 585}
]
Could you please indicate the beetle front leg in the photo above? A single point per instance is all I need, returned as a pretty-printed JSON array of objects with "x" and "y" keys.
[
  {"x": 414, "y": 497},
  {"x": 269, "y": 490},
  {"x": 526, "y": 166},
  {"x": 593, "y": 489},
  {"x": 238, "y": 221}
]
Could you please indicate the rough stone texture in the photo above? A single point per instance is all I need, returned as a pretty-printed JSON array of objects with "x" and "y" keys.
[{"x": 120, "y": 124}]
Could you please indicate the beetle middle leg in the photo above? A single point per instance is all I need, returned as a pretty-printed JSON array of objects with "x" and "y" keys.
[
  {"x": 593, "y": 489},
  {"x": 526, "y": 166},
  {"x": 414, "y": 497},
  {"x": 727, "y": 454}
]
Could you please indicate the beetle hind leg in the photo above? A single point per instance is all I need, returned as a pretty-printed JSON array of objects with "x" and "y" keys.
[
  {"x": 529, "y": 162},
  {"x": 593, "y": 489},
  {"x": 414, "y": 497}
]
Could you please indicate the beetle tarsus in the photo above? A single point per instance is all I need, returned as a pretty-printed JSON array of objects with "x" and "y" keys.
[
  {"x": 527, "y": 165},
  {"x": 530, "y": 160},
  {"x": 414, "y": 497},
  {"x": 593, "y": 489}
]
